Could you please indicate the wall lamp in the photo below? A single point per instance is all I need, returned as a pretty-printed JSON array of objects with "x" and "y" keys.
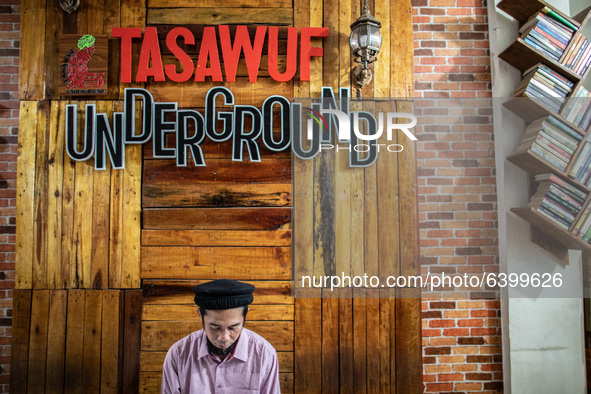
[{"x": 365, "y": 41}]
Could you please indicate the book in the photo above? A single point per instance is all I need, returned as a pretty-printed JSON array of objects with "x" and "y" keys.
[{"x": 573, "y": 191}]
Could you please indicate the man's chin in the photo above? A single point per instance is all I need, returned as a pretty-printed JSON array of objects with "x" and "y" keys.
[{"x": 220, "y": 351}]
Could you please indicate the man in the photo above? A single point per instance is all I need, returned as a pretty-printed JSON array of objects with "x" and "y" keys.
[{"x": 223, "y": 357}]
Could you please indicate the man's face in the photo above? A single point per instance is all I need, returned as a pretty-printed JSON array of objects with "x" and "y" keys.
[{"x": 223, "y": 327}]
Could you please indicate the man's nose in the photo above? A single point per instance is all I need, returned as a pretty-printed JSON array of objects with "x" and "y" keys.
[{"x": 224, "y": 336}]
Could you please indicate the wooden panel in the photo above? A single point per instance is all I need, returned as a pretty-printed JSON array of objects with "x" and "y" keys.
[
  {"x": 68, "y": 263},
  {"x": 220, "y": 16},
  {"x": 25, "y": 180},
  {"x": 112, "y": 341},
  {"x": 408, "y": 342},
  {"x": 21, "y": 324},
  {"x": 132, "y": 340},
  {"x": 214, "y": 3},
  {"x": 56, "y": 277},
  {"x": 75, "y": 342},
  {"x": 179, "y": 292},
  {"x": 191, "y": 94},
  {"x": 161, "y": 335},
  {"x": 38, "y": 341},
  {"x": 182, "y": 312},
  {"x": 216, "y": 219},
  {"x": 32, "y": 50},
  {"x": 93, "y": 307},
  {"x": 214, "y": 263},
  {"x": 131, "y": 217},
  {"x": 166, "y": 172},
  {"x": 53, "y": 28},
  {"x": 56, "y": 345},
  {"x": 116, "y": 245},
  {"x": 215, "y": 238},
  {"x": 41, "y": 199},
  {"x": 219, "y": 194}
]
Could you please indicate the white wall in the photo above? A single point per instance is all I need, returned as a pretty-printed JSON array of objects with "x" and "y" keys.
[{"x": 543, "y": 348}]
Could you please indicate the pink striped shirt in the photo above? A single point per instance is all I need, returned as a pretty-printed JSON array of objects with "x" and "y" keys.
[{"x": 189, "y": 368}]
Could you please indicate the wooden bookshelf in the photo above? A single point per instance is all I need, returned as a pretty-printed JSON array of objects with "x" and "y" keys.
[{"x": 523, "y": 57}]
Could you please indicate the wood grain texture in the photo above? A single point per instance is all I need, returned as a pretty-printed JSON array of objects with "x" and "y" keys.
[
  {"x": 220, "y": 16},
  {"x": 55, "y": 179},
  {"x": 165, "y": 292},
  {"x": 132, "y": 340},
  {"x": 40, "y": 210},
  {"x": 216, "y": 218},
  {"x": 131, "y": 217},
  {"x": 32, "y": 50},
  {"x": 216, "y": 238},
  {"x": 184, "y": 311},
  {"x": 25, "y": 181},
  {"x": 212, "y": 263},
  {"x": 38, "y": 341},
  {"x": 160, "y": 335},
  {"x": 93, "y": 307},
  {"x": 56, "y": 345},
  {"x": 112, "y": 341},
  {"x": 21, "y": 325},
  {"x": 74, "y": 372},
  {"x": 213, "y": 3}
]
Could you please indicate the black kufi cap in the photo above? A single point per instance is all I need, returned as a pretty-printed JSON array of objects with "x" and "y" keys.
[{"x": 223, "y": 294}]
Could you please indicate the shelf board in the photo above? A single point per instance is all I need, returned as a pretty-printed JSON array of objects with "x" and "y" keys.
[
  {"x": 565, "y": 237},
  {"x": 527, "y": 109},
  {"x": 521, "y": 10},
  {"x": 522, "y": 56}
]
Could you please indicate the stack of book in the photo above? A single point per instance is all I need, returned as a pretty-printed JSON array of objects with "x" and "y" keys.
[
  {"x": 578, "y": 56},
  {"x": 551, "y": 140},
  {"x": 545, "y": 86},
  {"x": 578, "y": 109},
  {"x": 549, "y": 33},
  {"x": 557, "y": 200}
]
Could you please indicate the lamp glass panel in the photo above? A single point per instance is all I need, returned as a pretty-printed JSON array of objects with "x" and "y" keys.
[{"x": 375, "y": 38}]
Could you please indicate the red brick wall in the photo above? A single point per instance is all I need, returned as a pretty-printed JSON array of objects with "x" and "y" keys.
[
  {"x": 9, "y": 104},
  {"x": 457, "y": 195}
]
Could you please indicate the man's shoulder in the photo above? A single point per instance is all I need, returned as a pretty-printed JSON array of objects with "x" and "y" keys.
[{"x": 257, "y": 341}]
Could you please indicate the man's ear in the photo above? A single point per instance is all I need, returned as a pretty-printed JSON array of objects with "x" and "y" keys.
[{"x": 199, "y": 313}]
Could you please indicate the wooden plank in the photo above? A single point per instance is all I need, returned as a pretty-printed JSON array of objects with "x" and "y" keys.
[
  {"x": 32, "y": 49},
  {"x": 153, "y": 361},
  {"x": 373, "y": 343},
  {"x": 133, "y": 14},
  {"x": 53, "y": 29},
  {"x": 408, "y": 342},
  {"x": 346, "y": 17},
  {"x": 215, "y": 238},
  {"x": 113, "y": 19},
  {"x": 192, "y": 95},
  {"x": 330, "y": 345},
  {"x": 346, "y": 361},
  {"x": 112, "y": 341},
  {"x": 220, "y": 16},
  {"x": 132, "y": 182},
  {"x": 56, "y": 345},
  {"x": 160, "y": 335},
  {"x": 116, "y": 222},
  {"x": 132, "y": 340},
  {"x": 382, "y": 68},
  {"x": 55, "y": 179},
  {"x": 308, "y": 349},
  {"x": 68, "y": 264},
  {"x": 92, "y": 340},
  {"x": 216, "y": 218},
  {"x": 216, "y": 195},
  {"x": 384, "y": 356},
  {"x": 40, "y": 212},
  {"x": 21, "y": 326},
  {"x": 401, "y": 49},
  {"x": 99, "y": 269},
  {"x": 360, "y": 353},
  {"x": 370, "y": 215},
  {"x": 166, "y": 172},
  {"x": 215, "y": 263},
  {"x": 25, "y": 179},
  {"x": 75, "y": 342},
  {"x": 82, "y": 237},
  {"x": 96, "y": 20},
  {"x": 409, "y": 234},
  {"x": 213, "y": 3},
  {"x": 38, "y": 341},
  {"x": 182, "y": 312},
  {"x": 179, "y": 292}
]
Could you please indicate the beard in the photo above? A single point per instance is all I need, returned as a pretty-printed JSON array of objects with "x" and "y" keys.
[{"x": 219, "y": 351}]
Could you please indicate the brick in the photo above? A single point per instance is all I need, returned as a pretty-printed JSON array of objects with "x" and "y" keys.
[
  {"x": 431, "y": 351},
  {"x": 450, "y": 377},
  {"x": 478, "y": 376}
]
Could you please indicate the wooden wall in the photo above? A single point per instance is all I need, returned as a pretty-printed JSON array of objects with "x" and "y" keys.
[{"x": 86, "y": 238}]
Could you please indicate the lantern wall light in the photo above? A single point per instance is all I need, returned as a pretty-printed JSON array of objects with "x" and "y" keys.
[{"x": 365, "y": 42}]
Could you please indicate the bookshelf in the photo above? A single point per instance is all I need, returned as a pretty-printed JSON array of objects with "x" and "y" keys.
[{"x": 552, "y": 56}]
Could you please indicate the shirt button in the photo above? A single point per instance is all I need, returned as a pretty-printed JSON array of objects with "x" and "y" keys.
[{"x": 219, "y": 386}]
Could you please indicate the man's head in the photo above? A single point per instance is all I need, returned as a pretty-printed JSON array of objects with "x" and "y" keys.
[{"x": 223, "y": 305}]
